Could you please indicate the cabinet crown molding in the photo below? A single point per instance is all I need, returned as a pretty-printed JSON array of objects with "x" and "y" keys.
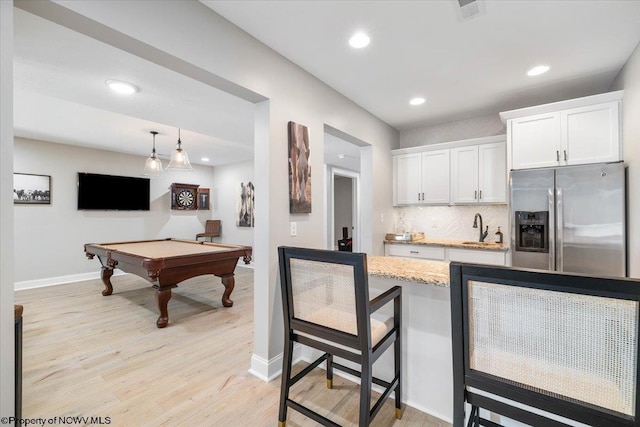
[
  {"x": 562, "y": 105},
  {"x": 451, "y": 144}
]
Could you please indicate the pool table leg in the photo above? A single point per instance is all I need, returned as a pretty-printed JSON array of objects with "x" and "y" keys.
[
  {"x": 163, "y": 297},
  {"x": 105, "y": 275},
  {"x": 229, "y": 283}
]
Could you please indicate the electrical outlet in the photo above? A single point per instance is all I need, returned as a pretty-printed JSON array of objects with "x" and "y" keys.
[
  {"x": 381, "y": 217},
  {"x": 294, "y": 229}
]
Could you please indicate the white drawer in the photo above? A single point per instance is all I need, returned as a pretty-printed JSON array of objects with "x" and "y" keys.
[
  {"x": 477, "y": 256},
  {"x": 416, "y": 251}
]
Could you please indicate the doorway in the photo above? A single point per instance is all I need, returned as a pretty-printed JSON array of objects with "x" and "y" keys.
[{"x": 344, "y": 219}]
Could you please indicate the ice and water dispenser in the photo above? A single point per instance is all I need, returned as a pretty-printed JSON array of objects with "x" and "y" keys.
[{"x": 532, "y": 231}]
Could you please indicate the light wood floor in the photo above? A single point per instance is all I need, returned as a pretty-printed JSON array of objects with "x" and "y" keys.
[{"x": 89, "y": 355}]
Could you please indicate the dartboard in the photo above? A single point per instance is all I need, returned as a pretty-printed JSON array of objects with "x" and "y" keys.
[{"x": 185, "y": 198}]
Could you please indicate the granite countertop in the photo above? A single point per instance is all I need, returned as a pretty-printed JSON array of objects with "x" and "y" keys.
[
  {"x": 409, "y": 269},
  {"x": 462, "y": 244}
]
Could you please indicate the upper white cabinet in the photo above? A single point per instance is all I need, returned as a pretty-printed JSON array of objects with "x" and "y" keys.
[
  {"x": 421, "y": 178},
  {"x": 464, "y": 172},
  {"x": 479, "y": 174},
  {"x": 578, "y": 131}
]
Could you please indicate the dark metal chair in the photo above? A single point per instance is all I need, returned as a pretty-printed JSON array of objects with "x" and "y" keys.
[
  {"x": 531, "y": 346},
  {"x": 326, "y": 306},
  {"x": 211, "y": 229}
]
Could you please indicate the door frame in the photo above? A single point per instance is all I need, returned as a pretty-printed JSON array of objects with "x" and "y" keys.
[{"x": 355, "y": 205}]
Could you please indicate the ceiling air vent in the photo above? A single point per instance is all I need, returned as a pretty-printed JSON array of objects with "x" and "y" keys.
[{"x": 469, "y": 9}]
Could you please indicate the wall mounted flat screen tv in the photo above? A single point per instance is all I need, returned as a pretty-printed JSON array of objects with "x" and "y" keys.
[{"x": 110, "y": 192}]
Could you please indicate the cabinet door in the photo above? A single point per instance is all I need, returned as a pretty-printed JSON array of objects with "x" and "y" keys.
[
  {"x": 415, "y": 251},
  {"x": 435, "y": 177},
  {"x": 535, "y": 141},
  {"x": 407, "y": 176},
  {"x": 591, "y": 134},
  {"x": 492, "y": 173},
  {"x": 464, "y": 174}
]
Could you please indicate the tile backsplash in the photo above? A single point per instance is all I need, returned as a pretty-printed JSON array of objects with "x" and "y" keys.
[{"x": 452, "y": 222}]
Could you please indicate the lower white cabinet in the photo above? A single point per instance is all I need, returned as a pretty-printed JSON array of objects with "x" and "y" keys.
[
  {"x": 416, "y": 251},
  {"x": 442, "y": 253}
]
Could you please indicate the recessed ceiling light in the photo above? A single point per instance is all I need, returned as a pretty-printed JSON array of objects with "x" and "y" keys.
[
  {"x": 123, "y": 88},
  {"x": 341, "y": 156},
  {"x": 417, "y": 101},
  {"x": 359, "y": 40},
  {"x": 536, "y": 71},
  {"x": 205, "y": 159}
]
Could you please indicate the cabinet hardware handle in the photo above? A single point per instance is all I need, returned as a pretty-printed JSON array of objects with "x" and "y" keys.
[
  {"x": 414, "y": 252},
  {"x": 480, "y": 195},
  {"x": 475, "y": 194},
  {"x": 557, "y": 156},
  {"x": 418, "y": 196},
  {"x": 423, "y": 197},
  {"x": 565, "y": 155}
]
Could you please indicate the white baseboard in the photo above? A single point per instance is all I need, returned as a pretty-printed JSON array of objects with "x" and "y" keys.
[
  {"x": 268, "y": 370},
  {"x": 60, "y": 280}
]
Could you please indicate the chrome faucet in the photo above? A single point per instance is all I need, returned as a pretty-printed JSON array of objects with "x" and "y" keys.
[{"x": 475, "y": 225}]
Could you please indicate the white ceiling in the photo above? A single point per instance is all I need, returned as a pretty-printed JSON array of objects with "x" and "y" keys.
[
  {"x": 464, "y": 68},
  {"x": 60, "y": 95},
  {"x": 418, "y": 48}
]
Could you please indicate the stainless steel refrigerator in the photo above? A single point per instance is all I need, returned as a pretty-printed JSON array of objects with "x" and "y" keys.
[{"x": 570, "y": 219}]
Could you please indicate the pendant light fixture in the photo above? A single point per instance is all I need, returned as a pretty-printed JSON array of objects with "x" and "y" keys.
[
  {"x": 153, "y": 165},
  {"x": 179, "y": 158}
]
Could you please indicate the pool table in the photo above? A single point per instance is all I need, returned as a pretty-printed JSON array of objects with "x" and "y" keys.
[{"x": 165, "y": 263}]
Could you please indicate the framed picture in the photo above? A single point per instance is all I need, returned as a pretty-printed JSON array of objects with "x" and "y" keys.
[
  {"x": 29, "y": 189},
  {"x": 203, "y": 199},
  {"x": 244, "y": 212},
  {"x": 299, "y": 169}
]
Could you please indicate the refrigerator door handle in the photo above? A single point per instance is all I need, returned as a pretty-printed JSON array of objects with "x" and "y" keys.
[
  {"x": 559, "y": 229},
  {"x": 552, "y": 243}
]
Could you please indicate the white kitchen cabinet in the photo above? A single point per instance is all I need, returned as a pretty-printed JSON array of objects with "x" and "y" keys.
[
  {"x": 407, "y": 173},
  {"x": 535, "y": 141},
  {"x": 479, "y": 174},
  {"x": 416, "y": 251},
  {"x": 421, "y": 178},
  {"x": 447, "y": 254},
  {"x": 591, "y": 134},
  {"x": 573, "y": 132}
]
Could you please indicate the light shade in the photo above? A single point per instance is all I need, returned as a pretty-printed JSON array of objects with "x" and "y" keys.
[
  {"x": 153, "y": 165},
  {"x": 179, "y": 158}
]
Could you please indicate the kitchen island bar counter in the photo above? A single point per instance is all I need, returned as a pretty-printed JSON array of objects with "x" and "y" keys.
[{"x": 420, "y": 271}]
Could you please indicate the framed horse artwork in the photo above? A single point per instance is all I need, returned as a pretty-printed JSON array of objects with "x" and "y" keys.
[
  {"x": 29, "y": 189},
  {"x": 299, "y": 169}
]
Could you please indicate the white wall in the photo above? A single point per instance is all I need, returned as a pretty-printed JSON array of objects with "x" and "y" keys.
[
  {"x": 629, "y": 80},
  {"x": 474, "y": 127},
  {"x": 6, "y": 209},
  {"x": 224, "y": 197},
  {"x": 184, "y": 35},
  {"x": 61, "y": 230}
]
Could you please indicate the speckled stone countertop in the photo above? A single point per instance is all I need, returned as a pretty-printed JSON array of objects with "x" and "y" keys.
[
  {"x": 409, "y": 269},
  {"x": 462, "y": 244}
]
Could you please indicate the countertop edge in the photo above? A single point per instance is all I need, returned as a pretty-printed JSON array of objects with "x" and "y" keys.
[{"x": 452, "y": 244}]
